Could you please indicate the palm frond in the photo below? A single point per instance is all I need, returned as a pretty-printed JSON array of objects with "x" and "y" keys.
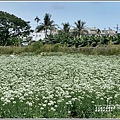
[{"x": 39, "y": 28}]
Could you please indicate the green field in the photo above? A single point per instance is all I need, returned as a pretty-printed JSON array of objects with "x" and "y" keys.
[{"x": 59, "y": 85}]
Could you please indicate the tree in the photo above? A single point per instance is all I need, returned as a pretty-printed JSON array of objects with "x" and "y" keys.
[
  {"x": 48, "y": 24},
  {"x": 98, "y": 32},
  {"x": 37, "y": 19},
  {"x": 65, "y": 34},
  {"x": 66, "y": 27},
  {"x": 79, "y": 26},
  {"x": 12, "y": 26}
]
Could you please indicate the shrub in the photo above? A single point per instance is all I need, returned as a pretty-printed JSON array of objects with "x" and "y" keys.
[
  {"x": 37, "y": 45},
  {"x": 57, "y": 47}
]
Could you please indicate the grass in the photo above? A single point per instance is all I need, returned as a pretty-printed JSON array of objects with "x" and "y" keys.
[{"x": 39, "y": 47}]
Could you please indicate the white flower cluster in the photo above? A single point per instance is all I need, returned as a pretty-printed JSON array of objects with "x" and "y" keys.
[{"x": 55, "y": 82}]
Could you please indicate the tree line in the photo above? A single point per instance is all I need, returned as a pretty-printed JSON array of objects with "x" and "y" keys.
[
  {"x": 12, "y": 29},
  {"x": 78, "y": 37}
]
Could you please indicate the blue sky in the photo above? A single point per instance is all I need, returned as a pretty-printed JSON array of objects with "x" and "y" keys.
[{"x": 95, "y": 14}]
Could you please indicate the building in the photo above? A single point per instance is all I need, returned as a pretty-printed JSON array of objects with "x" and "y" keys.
[
  {"x": 36, "y": 36},
  {"x": 94, "y": 31},
  {"x": 90, "y": 31}
]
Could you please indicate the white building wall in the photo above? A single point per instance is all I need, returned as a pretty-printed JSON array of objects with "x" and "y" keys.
[{"x": 39, "y": 35}]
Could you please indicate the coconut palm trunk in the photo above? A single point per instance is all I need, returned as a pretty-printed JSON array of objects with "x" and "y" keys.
[{"x": 46, "y": 33}]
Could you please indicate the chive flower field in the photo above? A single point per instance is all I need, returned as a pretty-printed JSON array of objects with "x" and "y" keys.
[{"x": 59, "y": 86}]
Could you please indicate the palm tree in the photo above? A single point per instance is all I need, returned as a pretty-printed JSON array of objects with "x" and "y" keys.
[
  {"x": 98, "y": 32},
  {"x": 80, "y": 26},
  {"x": 37, "y": 19},
  {"x": 65, "y": 33},
  {"x": 46, "y": 25},
  {"x": 66, "y": 27}
]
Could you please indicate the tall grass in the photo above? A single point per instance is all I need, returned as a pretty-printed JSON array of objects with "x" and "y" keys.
[
  {"x": 39, "y": 47},
  {"x": 15, "y": 50}
]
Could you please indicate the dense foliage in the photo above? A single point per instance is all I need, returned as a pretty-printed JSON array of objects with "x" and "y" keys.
[
  {"x": 76, "y": 36},
  {"x": 84, "y": 40},
  {"x": 48, "y": 24},
  {"x": 12, "y": 27}
]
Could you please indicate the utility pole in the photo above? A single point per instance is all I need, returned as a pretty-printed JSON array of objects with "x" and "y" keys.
[{"x": 117, "y": 28}]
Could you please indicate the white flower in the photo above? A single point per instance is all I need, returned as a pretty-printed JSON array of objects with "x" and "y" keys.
[
  {"x": 67, "y": 96},
  {"x": 21, "y": 98},
  {"x": 42, "y": 108},
  {"x": 59, "y": 101},
  {"x": 2, "y": 98},
  {"x": 73, "y": 99},
  {"x": 14, "y": 102},
  {"x": 69, "y": 112},
  {"x": 53, "y": 109},
  {"x": 30, "y": 92},
  {"x": 8, "y": 101},
  {"x": 56, "y": 106},
  {"x": 29, "y": 103},
  {"x": 44, "y": 105},
  {"x": 11, "y": 98}
]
